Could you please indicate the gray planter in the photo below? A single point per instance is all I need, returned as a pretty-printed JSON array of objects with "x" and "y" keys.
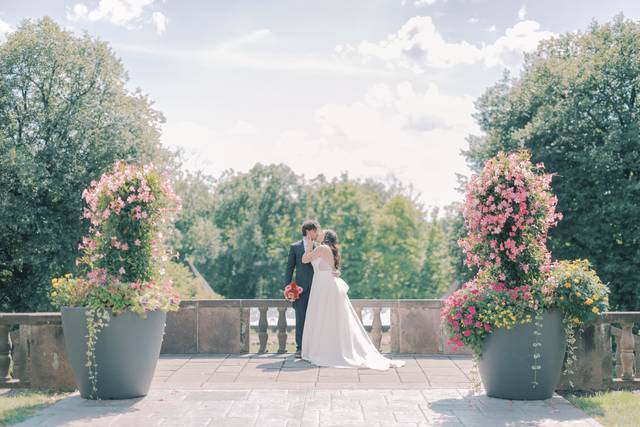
[
  {"x": 127, "y": 351},
  {"x": 507, "y": 356}
]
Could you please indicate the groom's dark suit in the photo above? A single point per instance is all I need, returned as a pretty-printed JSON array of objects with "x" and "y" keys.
[{"x": 304, "y": 277}]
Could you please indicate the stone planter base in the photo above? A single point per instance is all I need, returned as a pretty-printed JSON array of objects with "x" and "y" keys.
[
  {"x": 127, "y": 351},
  {"x": 507, "y": 357}
]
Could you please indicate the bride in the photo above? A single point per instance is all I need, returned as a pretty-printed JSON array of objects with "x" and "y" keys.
[{"x": 333, "y": 334}]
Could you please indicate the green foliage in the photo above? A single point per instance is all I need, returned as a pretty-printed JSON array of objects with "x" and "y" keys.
[
  {"x": 186, "y": 284},
  {"x": 18, "y": 405},
  {"x": 124, "y": 253},
  {"x": 575, "y": 108},
  {"x": 65, "y": 118},
  {"x": 612, "y": 408},
  {"x": 389, "y": 247},
  {"x": 579, "y": 293},
  {"x": 454, "y": 231}
]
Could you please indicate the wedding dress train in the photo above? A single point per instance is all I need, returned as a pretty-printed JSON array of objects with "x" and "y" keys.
[{"x": 333, "y": 334}]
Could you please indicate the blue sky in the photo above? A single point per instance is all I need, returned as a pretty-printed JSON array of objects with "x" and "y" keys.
[{"x": 370, "y": 87}]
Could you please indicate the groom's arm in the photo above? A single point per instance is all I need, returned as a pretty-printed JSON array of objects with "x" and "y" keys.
[{"x": 291, "y": 265}]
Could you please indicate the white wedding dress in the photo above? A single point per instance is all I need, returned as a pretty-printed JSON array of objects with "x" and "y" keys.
[{"x": 333, "y": 334}]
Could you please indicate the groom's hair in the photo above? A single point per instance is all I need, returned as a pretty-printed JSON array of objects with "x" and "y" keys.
[{"x": 309, "y": 225}]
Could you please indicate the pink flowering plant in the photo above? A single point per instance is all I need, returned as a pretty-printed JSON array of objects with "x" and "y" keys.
[
  {"x": 508, "y": 212},
  {"x": 121, "y": 259}
]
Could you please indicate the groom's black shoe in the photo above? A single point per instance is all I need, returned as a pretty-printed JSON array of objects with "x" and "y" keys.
[{"x": 298, "y": 354}]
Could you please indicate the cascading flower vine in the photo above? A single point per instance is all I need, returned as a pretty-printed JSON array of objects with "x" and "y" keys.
[
  {"x": 122, "y": 255},
  {"x": 508, "y": 212}
]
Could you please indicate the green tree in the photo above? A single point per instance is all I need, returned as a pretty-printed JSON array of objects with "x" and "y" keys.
[
  {"x": 348, "y": 207},
  {"x": 196, "y": 237},
  {"x": 258, "y": 215},
  {"x": 397, "y": 250},
  {"x": 437, "y": 272},
  {"x": 575, "y": 108},
  {"x": 65, "y": 117}
]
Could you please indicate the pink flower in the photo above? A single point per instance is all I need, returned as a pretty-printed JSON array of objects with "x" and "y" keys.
[
  {"x": 466, "y": 333},
  {"x": 472, "y": 310},
  {"x": 122, "y": 270},
  {"x": 137, "y": 242}
]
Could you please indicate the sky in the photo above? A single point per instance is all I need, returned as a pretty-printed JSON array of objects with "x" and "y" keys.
[{"x": 373, "y": 88}]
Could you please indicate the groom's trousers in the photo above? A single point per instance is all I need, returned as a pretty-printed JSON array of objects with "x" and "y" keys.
[{"x": 300, "y": 307}]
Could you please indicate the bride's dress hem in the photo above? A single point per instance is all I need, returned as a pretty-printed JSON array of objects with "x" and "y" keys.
[{"x": 333, "y": 333}]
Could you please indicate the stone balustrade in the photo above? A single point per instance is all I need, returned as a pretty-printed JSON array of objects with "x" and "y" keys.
[
  {"x": 34, "y": 352},
  {"x": 608, "y": 351},
  {"x": 627, "y": 344},
  {"x": 223, "y": 326}
]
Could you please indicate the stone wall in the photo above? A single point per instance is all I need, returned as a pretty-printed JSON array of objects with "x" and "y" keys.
[
  {"x": 39, "y": 360},
  {"x": 218, "y": 326}
]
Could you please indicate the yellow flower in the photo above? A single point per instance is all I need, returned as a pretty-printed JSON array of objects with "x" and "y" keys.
[
  {"x": 56, "y": 285},
  {"x": 595, "y": 310},
  {"x": 576, "y": 320},
  {"x": 68, "y": 275},
  {"x": 561, "y": 298},
  {"x": 578, "y": 294},
  {"x": 54, "y": 293},
  {"x": 567, "y": 285},
  {"x": 589, "y": 301},
  {"x": 575, "y": 280}
]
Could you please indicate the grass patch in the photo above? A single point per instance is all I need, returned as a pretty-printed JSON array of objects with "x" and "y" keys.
[
  {"x": 18, "y": 405},
  {"x": 612, "y": 408}
]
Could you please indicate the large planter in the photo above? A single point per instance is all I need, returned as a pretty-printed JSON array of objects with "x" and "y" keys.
[
  {"x": 127, "y": 351},
  {"x": 507, "y": 357}
]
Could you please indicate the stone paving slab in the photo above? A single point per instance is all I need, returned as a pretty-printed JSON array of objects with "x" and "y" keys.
[
  {"x": 274, "y": 369},
  {"x": 255, "y": 395}
]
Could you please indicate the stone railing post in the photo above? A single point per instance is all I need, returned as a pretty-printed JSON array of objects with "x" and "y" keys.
[
  {"x": 376, "y": 328},
  {"x": 5, "y": 354},
  {"x": 263, "y": 325},
  {"x": 627, "y": 347},
  {"x": 245, "y": 330},
  {"x": 282, "y": 330}
]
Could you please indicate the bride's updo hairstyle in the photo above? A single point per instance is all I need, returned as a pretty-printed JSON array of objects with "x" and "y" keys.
[{"x": 331, "y": 240}]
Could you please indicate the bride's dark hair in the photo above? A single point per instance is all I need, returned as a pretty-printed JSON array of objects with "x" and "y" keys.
[{"x": 331, "y": 240}]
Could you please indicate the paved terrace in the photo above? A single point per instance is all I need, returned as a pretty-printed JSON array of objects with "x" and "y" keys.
[{"x": 277, "y": 390}]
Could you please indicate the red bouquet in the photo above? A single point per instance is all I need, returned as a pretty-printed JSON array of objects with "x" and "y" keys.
[{"x": 292, "y": 291}]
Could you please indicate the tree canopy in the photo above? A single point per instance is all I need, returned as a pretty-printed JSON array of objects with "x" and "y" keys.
[
  {"x": 575, "y": 108},
  {"x": 389, "y": 247},
  {"x": 66, "y": 117}
]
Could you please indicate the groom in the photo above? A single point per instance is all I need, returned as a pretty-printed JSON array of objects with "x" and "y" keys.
[{"x": 304, "y": 277}]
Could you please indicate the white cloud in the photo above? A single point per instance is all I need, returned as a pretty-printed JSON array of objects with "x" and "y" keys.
[
  {"x": 243, "y": 127},
  {"x": 258, "y": 49},
  {"x": 507, "y": 50},
  {"x": 522, "y": 12},
  {"x": 126, "y": 13},
  {"x": 492, "y": 29},
  {"x": 399, "y": 109},
  {"x": 424, "y": 2},
  {"x": 5, "y": 29},
  {"x": 159, "y": 21},
  {"x": 415, "y": 135},
  {"x": 473, "y": 20},
  {"x": 419, "y": 45}
]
